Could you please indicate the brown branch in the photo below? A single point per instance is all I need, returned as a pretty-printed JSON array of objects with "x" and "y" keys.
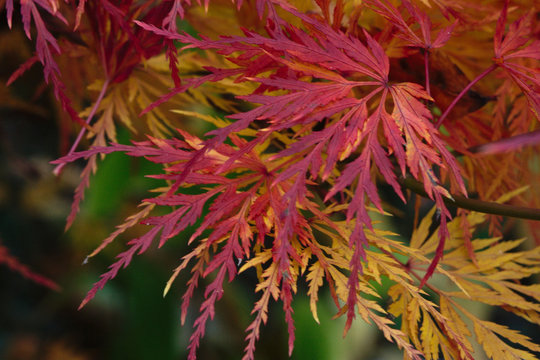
[{"x": 485, "y": 207}]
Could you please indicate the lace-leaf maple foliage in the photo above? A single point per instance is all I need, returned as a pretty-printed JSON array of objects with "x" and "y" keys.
[{"x": 323, "y": 105}]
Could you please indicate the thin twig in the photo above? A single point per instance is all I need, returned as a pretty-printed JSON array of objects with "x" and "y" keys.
[
  {"x": 485, "y": 207},
  {"x": 463, "y": 92},
  {"x": 58, "y": 169},
  {"x": 426, "y": 67}
]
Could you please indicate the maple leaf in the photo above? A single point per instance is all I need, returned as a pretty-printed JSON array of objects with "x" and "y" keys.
[
  {"x": 386, "y": 9},
  {"x": 516, "y": 45},
  {"x": 46, "y": 47}
]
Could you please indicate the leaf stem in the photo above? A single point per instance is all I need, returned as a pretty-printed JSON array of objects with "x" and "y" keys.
[
  {"x": 426, "y": 66},
  {"x": 512, "y": 143},
  {"x": 485, "y": 207},
  {"x": 463, "y": 92},
  {"x": 58, "y": 169}
]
